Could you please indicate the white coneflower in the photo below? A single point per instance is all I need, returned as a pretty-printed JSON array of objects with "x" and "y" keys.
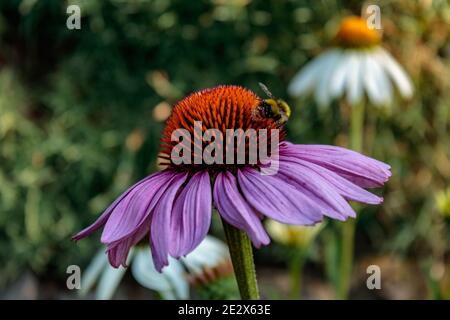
[
  {"x": 171, "y": 283},
  {"x": 357, "y": 66}
]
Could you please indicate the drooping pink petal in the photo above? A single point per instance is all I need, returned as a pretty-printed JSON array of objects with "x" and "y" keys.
[
  {"x": 317, "y": 189},
  {"x": 277, "y": 199},
  {"x": 105, "y": 215},
  {"x": 160, "y": 224},
  {"x": 191, "y": 216},
  {"x": 355, "y": 167},
  {"x": 235, "y": 210},
  {"x": 134, "y": 209},
  {"x": 344, "y": 187},
  {"x": 118, "y": 251}
]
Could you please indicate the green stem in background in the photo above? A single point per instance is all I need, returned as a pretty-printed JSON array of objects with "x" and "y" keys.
[
  {"x": 447, "y": 285},
  {"x": 242, "y": 258},
  {"x": 296, "y": 269},
  {"x": 348, "y": 228},
  {"x": 357, "y": 127}
]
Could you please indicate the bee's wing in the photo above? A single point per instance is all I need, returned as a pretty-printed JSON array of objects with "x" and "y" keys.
[{"x": 266, "y": 90}]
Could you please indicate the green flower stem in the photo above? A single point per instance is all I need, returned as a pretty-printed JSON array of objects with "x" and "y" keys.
[
  {"x": 447, "y": 292},
  {"x": 242, "y": 258},
  {"x": 296, "y": 269},
  {"x": 348, "y": 228},
  {"x": 357, "y": 127},
  {"x": 346, "y": 265}
]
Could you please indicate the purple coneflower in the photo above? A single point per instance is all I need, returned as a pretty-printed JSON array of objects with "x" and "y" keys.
[{"x": 173, "y": 207}]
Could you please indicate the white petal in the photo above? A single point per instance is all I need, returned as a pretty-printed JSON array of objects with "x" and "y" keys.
[
  {"x": 305, "y": 80},
  {"x": 177, "y": 277},
  {"x": 355, "y": 78},
  {"x": 384, "y": 84},
  {"x": 170, "y": 284},
  {"x": 323, "y": 92},
  {"x": 384, "y": 92},
  {"x": 397, "y": 73},
  {"x": 92, "y": 272},
  {"x": 208, "y": 254},
  {"x": 372, "y": 81},
  {"x": 339, "y": 76},
  {"x": 110, "y": 280},
  {"x": 144, "y": 272}
]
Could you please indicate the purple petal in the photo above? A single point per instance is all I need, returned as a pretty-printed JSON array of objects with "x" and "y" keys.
[
  {"x": 191, "y": 216},
  {"x": 105, "y": 215},
  {"x": 277, "y": 199},
  {"x": 134, "y": 209},
  {"x": 345, "y": 188},
  {"x": 355, "y": 167},
  {"x": 234, "y": 209},
  {"x": 160, "y": 225},
  {"x": 318, "y": 190},
  {"x": 118, "y": 251}
]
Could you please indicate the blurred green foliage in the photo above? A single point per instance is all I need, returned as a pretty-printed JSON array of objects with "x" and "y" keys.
[
  {"x": 78, "y": 124},
  {"x": 222, "y": 289}
]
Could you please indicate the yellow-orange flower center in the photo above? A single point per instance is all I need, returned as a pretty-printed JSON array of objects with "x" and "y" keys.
[
  {"x": 354, "y": 33},
  {"x": 221, "y": 108}
]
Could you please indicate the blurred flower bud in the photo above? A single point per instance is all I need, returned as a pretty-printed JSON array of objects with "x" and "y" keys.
[
  {"x": 443, "y": 202},
  {"x": 161, "y": 111},
  {"x": 135, "y": 140},
  {"x": 292, "y": 235}
]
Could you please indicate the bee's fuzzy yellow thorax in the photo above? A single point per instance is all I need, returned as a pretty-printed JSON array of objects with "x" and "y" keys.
[
  {"x": 285, "y": 107},
  {"x": 354, "y": 33},
  {"x": 278, "y": 106},
  {"x": 273, "y": 103}
]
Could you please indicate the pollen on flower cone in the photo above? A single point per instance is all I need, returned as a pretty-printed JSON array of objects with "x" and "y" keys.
[
  {"x": 354, "y": 32},
  {"x": 221, "y": 108}
]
